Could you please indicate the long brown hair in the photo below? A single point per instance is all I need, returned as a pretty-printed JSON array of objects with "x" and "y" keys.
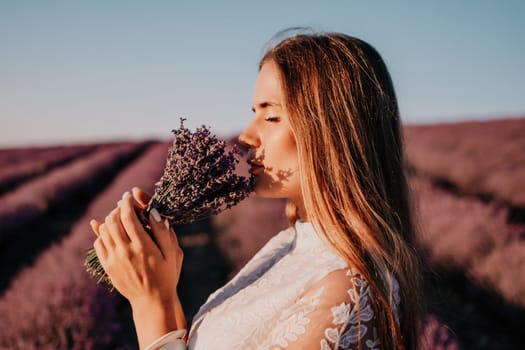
[{"x": 343, "y": 111}]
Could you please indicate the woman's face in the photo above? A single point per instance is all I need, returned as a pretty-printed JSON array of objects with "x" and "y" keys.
[{"x": 273, "y": 154}]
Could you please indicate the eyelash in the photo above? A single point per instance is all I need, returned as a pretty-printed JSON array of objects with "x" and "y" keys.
[{"x": 272, "y": 119}]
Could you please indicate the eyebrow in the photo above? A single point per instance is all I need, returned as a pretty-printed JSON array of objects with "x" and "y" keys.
[{"x": 266, "y": 104}]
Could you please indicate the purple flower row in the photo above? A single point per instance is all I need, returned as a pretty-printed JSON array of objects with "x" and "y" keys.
[
  {"x": 55, "y": 304},
  {"x": 478, "y": 157},
  {"x": 476, "y": 237},
  {"x": 36, "y": 196},
  {"x": 31, "y": 164}
]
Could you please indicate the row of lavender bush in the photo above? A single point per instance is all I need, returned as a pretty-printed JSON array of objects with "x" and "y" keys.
[
  {"x": 478, "y": 157},
  {"x": 36, "y": 196},
  {"x": 55, "y": 304},
  {"x": 474, "y": 233},
  {"x": 17, "y": 155},
  {"x": 30, "y": 164},
  {"x": 474, "y": 236}
]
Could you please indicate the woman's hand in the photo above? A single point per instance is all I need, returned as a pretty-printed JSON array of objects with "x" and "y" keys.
[
  {"x": 138, "y": 266},
  {"x": 143, "y": 270}
]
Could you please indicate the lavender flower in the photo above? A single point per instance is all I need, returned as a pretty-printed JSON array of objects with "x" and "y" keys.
[{"x": 199, "y": 180}]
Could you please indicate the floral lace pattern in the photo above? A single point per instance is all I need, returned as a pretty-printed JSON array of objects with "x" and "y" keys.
[
  {"x": 353, "y": 321},
  {"x": 296, "y": 293}
]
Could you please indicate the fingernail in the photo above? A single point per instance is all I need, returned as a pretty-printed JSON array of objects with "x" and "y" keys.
[
  {"x": 167, "y": 224},
  {"x": 156, "y": 215},
  {"x": 125, "y": 194}
]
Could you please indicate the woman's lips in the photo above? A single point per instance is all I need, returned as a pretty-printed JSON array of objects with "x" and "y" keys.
[{"x": 254, "y": 167}]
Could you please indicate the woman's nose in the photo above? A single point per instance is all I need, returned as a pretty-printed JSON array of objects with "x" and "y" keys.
[
  {"x": 248, "y": 137},
  {"x": 243, "y": 141}
]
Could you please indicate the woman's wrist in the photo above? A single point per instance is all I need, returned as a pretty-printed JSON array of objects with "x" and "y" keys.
[
  {"x": 153, "y": 319},
  {"x": 179, "y": 315}
]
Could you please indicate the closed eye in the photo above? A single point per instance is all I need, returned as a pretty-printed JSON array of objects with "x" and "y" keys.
[{"x": 272, "y": 119}]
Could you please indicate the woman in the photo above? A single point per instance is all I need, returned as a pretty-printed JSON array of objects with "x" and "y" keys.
[{"x": 326, "y": 136}]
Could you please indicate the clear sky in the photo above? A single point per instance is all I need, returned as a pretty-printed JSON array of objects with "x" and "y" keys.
[{"x": 81, "y": 71}]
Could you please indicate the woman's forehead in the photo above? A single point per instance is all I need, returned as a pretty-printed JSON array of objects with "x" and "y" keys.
[{"x": 268, "y": 89}]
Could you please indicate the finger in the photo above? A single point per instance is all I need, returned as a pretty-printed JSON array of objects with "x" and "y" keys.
[
  {"x": 131, "y": 222},
  {"x": 116, "y": 229},
  {"x": 164, "y": 236},
  {"x": 100, "y": 249},
  {"x": 106, "y": 237},
  {"x": 140, "y": 196},
  {"x": 95, "y": 226}
]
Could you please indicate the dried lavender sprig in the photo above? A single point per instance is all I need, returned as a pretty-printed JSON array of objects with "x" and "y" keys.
[{"x": 199, "y": 180}]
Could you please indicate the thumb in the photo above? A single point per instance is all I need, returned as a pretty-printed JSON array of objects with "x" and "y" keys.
[{"x": 161, "y": 232}]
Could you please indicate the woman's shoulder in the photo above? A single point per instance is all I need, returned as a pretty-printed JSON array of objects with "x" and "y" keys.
[{"x": 342, "y": 285}]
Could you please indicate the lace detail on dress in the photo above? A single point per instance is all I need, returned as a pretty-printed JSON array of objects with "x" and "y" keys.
[{"x": 353, "y": 320}]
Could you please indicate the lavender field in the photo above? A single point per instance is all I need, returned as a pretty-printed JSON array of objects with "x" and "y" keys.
[{"x": 469, "y": 203}]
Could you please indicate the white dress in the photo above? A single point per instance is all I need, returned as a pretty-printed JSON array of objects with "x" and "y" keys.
[{"x": 295, "y": 293}]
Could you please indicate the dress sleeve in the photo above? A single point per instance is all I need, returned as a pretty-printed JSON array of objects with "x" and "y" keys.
[
  {"x": 169, "y": 341},
  {"x": 335, "y": 313}
]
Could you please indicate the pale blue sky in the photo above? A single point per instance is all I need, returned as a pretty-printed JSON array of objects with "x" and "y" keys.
[{"x": 81, "y": 71}]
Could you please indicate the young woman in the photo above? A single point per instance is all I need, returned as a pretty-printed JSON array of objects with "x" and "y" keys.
[{"x": 325, "y": 135}]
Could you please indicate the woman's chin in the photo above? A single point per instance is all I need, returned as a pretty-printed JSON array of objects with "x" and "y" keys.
[
  {"x": 265, "y": 186},
  {"x": 265, "y": 192}
]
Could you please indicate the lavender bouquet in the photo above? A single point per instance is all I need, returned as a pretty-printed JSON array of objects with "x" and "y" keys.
[{"x": 199, "y": 180}]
